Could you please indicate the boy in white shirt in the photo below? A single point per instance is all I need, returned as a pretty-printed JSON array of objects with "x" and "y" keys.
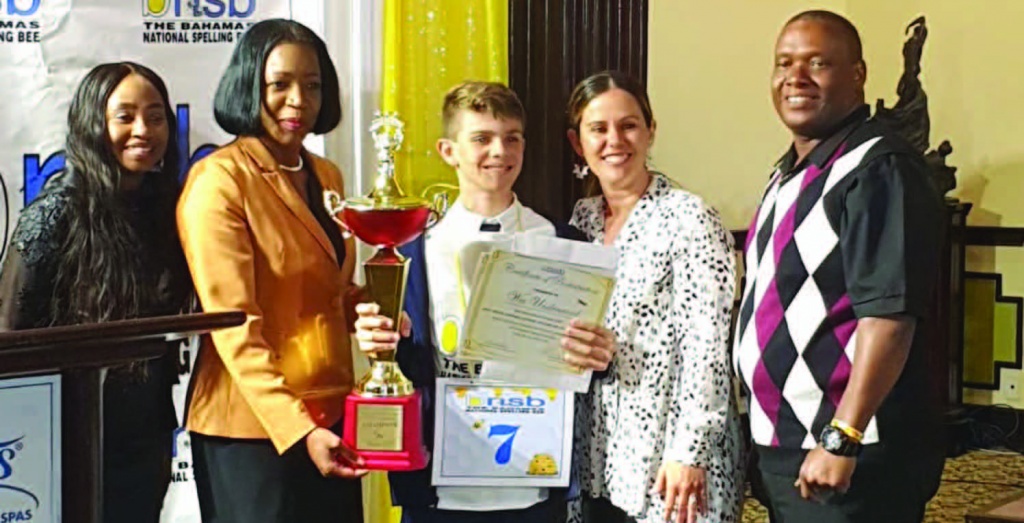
[{"x": 484, "y": 142}]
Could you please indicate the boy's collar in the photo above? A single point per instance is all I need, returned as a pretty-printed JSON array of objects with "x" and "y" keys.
[
  {"x": 461, "y": 202},
  {"x": 462, "y": 219}
]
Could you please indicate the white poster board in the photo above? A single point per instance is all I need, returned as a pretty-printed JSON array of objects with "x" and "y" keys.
[
  {"x": 30, "y": 473},
  {"x": 501, "y": 436}
]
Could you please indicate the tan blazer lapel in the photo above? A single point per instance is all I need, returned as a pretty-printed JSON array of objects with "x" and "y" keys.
[{"x": 287, "y": 193}]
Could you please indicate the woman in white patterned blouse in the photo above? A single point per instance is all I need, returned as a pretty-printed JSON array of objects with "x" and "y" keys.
[{"x": 658, "y": 436}]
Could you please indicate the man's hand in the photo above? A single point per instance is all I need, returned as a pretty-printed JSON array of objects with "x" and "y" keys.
[
  {"x": 331, "y": 456},
  {"x": 822, "y": 472}
]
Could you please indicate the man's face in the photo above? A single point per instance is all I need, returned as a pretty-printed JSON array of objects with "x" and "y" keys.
[
  {"x": 817, "y": 80},
  {"x": 486, "y": 152}
]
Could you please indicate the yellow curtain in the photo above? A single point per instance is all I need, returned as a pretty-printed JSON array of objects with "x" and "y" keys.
[
  {"x": 377, "y": 500},
  {"x": 429, "y": 46}
]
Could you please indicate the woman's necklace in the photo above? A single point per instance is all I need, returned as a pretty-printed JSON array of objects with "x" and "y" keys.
[{"x": 289, "y": 168}]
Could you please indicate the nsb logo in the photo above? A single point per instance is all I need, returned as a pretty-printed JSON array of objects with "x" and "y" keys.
[
  {"x": 198, "y": 8},
  {"x": 511, "y": 398},
  {"x": 9, "y": 451},
  {"x": 19, "y": 7}
]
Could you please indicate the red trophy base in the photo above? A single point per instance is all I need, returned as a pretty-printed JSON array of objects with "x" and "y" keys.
[{"x": 387, "y": 432}]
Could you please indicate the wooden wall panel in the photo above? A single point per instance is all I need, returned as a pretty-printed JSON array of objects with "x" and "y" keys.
[{"x": 553, "y": 44}]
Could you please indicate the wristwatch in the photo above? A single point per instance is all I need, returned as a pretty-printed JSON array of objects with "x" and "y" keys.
[{"x": 838, "y": 443}]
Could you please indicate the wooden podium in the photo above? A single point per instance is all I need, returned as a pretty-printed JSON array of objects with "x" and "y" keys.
[{"x": 79, "y": 353}]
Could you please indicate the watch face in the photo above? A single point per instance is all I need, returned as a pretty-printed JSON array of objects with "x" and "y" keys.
[{"x": 831, "y": 440}]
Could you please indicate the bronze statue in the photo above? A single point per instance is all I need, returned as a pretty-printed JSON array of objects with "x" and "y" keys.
[
  {"x": 943, "y": 176},
  {"x": 909, "y": 117}
]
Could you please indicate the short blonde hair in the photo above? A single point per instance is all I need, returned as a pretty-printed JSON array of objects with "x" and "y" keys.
[{"x": 494, "y": 98}]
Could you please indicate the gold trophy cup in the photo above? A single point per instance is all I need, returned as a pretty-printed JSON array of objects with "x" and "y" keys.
[{"x": 382, "y": 416}]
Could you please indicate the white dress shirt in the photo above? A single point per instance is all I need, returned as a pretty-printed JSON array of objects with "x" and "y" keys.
[{"x": 452, "y": 248}]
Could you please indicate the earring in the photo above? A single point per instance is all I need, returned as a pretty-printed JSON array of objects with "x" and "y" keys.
[{"x": 581, "y": 172}]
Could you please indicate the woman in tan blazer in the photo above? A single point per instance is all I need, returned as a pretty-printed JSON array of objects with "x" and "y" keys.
[{"x": 266, "y": 397}]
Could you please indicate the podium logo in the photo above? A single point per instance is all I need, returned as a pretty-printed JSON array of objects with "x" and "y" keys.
[
  {"x": 19, "y": 7},
  {"x": 9, "y": 451},
  {"x": 197, "y": 8}
]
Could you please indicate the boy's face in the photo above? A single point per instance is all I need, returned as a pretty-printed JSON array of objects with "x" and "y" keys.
[{"x": 487, "y": 152}]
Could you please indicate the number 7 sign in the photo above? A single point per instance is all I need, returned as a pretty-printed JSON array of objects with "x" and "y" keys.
[{"x": 504, "y": 452}]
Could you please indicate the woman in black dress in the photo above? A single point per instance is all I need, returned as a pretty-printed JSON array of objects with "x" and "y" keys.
[{"x": 98, "y": 244}]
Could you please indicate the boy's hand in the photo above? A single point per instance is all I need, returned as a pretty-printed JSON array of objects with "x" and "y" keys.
[
  {"x": 588, "y": 346},
  {"x": 376, "y": 333}
]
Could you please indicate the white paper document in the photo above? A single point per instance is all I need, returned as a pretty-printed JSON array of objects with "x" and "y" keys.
[{"x": 522, "y": 363}]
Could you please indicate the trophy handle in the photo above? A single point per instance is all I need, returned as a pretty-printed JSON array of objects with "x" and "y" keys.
[
  {"x": 335, "y": 204},
  {"x": 437, "y": 209}
]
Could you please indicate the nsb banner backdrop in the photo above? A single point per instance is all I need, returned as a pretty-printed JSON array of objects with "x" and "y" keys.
[{"x": 47, "y": 46}]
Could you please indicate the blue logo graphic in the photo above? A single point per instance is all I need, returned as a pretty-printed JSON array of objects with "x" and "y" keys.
[
  {"x": 38, "y": 172},
  {"x": 504, "y": 453},
  {"x": 8, "y": 453},
  {"x": 17, "y": 7},
  {"x": 198, "y": 8},
  {"x": 514, "y": 401},
  {"x": 174, "y": 441}
]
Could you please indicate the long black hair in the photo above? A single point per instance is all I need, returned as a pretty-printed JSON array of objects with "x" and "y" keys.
[{"x": 100, "y": 276}]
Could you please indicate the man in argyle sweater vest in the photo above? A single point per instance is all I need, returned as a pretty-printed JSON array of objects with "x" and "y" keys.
[{"x": 841, "y": 260}]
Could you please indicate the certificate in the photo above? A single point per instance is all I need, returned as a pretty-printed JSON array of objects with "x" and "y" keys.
[
  {"x": 501, "y": 436},
  {"x": 522, "y": 304}
]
